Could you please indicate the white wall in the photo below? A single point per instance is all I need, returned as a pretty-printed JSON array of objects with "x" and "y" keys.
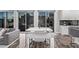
[
  {"x": 70, "y": 14},
  {"x": 57, "y": 17}
]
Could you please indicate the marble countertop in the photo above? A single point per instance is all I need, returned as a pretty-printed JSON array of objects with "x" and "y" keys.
[{"x": 39, "y": 29}]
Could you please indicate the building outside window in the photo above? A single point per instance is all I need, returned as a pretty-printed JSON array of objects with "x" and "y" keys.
[
  {"x": 6, "y": 19},
  {"x": 22, "y": 21},
  {"x": 50, "y": 21},
  {"x": 2, "y": 18},
  {"x": 46, "y": 19},
  {"x": 41, "y": 19},
  {"x": 9, "y": 20},
  {"x": 30, "y": 20},
  {"x": 26, "y": 20}
]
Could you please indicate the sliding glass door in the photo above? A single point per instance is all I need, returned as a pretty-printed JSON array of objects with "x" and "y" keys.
[
  {"x": 22, "y": 23},
  {"x": 9, "y": 20},
  {"x": 29, "y": 19},
  {"x": 46, "y": 19},
  {"x": 50, "y": 21},
  {"x": 41, "y": 19},
  {"x": 26, "y": 20}
]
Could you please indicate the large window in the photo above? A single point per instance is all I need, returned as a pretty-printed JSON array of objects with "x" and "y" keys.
[
  {"x": 41, "y": 19},
  {"x": 26, "y": 20},
  {"x": 22, "y": 21},
  {"x": 9, "y": 19},
  {"x": 2, "y": 18},
  {"x": 30, "y": 19},
  {"x": 50, "y": 21},
  {"x": 6, "y": 19},
  {"x": 46, "y": 19}
]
